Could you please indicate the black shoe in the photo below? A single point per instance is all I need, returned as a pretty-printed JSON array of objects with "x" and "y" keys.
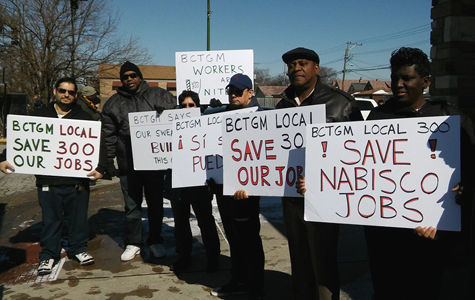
[
  {"x": 181, "y": 264},
  {"x": 212, "y": 264},
  {"x": 230, "y": 289}
]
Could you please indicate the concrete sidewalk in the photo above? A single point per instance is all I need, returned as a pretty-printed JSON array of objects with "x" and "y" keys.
[{"x": 145, "y": 277}]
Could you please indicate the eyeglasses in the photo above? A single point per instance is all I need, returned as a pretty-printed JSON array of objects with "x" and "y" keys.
[
  {"x": 185, "y": 105},
  {"x": 234, "y": 90},
  {"x": 63, "y": 91},
  {"x": 126, "y": 76}
]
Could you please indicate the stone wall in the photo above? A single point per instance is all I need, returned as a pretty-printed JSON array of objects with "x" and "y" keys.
[{"x": 453, "y": 52}]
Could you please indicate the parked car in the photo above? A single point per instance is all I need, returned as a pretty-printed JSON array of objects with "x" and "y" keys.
[{"x": 365, "y": 105}]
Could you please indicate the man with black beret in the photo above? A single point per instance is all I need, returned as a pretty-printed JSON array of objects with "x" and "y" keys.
[
  {"x": 135, "y": 96},
  {"x": 312, "y": 245}
]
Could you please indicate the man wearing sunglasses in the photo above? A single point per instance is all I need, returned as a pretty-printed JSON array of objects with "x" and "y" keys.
[
  {"x": 312, "y": 245},
  {"x": 135, "y": 96},
  {"x": 63, "y": 197},
  {"x": 240, "y": 216}
]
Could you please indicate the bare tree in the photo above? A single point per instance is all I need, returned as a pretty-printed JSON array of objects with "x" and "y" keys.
[
  {"x": 263, "y": 77},
  {"x": 43, "y": 40},
  {"x": 327, "y": 75}
]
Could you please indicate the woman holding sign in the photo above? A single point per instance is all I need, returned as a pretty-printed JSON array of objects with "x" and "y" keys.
[
  {"x": 408, "y": 264},
  {"x": 199, "y": 197}
]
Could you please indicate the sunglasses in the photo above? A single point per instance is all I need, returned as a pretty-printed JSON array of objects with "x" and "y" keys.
[
  {"x": 63, "y": 91},
  {"x": 234, "y": 90},
  {"x": 126, "y": 76},
  {"x": 185, "y": 105}
]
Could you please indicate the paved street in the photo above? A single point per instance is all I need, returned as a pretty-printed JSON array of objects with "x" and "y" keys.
[{"x": 143, "y": 277}]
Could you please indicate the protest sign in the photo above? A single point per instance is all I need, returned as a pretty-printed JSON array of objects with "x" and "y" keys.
[
  {"x": 395, "y": 173},
  {"x": 208, "y": 72},
  {"x": 264, "y": 152},
  {"x": 50, "y": 146},
  {"x": 151, "y": 137},
  {"x": 198, "y": 153}
]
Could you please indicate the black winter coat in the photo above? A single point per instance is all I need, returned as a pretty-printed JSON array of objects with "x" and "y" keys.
[
  {"x": 115, "y": 119},
  {"x": 339, "y": 106}
]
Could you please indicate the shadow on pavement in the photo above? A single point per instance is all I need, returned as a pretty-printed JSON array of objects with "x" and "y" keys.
[
  {"x": 108, "y": 221},
  {"x": 30, "y": 234},
  {"x": 10, "y": 258}
]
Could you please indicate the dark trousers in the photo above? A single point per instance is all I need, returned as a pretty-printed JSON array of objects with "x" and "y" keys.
[
  {"x": 133, "y": 186},
  {"x": 56, "y": 202},
  {"x": 241, "y": 224},
  {"x": 404, "y": 265},
  {"x": 200, "y": 199},
  {"x": 313, "y": 254}
]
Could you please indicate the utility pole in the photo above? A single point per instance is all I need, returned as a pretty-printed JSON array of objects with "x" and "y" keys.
[
  {"x": 349, "y": 45},
  {"x": 208, "y": 17},
  {"x": 74, "y": 7}
]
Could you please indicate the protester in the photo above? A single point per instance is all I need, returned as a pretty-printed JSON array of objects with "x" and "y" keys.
[
  {"x": 63, "y": 196},
  {"x": 407, "y": 264},
  {"x": 199, "y": 197},
  {"x": 240, "y": 217},
  {"x": 135, "y": 96},
  {"x": 312, "y": 245},
  {"x": 37, "y": 103},
  {"x": 89, "y": 101}
]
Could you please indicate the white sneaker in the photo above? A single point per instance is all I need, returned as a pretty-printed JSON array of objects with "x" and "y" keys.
[
  {"x": 158, "y": 250},
  {"x": 129, "y": 252},
  {"x": 84, "y": 259},
  {"x": 45, "y": 267}
]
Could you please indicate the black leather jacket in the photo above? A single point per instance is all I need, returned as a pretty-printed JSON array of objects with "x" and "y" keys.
[
  {"x": 339, "y": 106},
  {"x": 115, "y": 119}
]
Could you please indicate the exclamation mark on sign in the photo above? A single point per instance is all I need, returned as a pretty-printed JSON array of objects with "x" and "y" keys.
[
  {"x": 180, "y": 144},
  {"x": 324, "y": 147},
  {"x": 432, "y": 144}
]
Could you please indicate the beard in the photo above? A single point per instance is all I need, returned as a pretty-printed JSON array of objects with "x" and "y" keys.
[{"x": 64, "y": 106}]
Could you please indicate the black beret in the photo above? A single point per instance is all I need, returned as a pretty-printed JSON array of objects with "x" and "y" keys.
[{"x": 300, "y": 52}]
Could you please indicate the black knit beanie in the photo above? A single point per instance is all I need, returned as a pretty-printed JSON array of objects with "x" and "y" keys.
[{"x": 128, "y": 66}]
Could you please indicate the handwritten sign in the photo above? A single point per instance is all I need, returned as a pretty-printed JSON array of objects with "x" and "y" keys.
[
  {"x": 198, "y": 153},
  {"x": 208, "y": 72},
  {"x": 264, "y": 153},
  {"x": 395, "y": 173},
  {"x": 151, "y": 136},
  {"x": 50, "y": 146}
]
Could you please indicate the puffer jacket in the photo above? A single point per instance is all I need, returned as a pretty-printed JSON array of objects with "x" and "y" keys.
[
  {"x": 339, "y": 106},
  {"x": 115, "y": 119}
]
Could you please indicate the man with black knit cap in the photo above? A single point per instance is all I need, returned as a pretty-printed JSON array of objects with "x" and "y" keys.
[
  {"x": 312, "y": 245},
  {"x": 135, "y": 96}
]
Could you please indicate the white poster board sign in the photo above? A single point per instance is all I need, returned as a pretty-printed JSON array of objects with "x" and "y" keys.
[
  {"x": 395, "y": 173},
  {"x": 264, "y": 153},
  {"x": 151, "y": 137},
  {"x": 198, "y": 152},
  {"x": 50, "y": 146},
  {"x": 208, "y": 72}
]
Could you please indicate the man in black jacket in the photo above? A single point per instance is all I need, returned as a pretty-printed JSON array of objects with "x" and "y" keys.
[
  {"x": 312, "y": 245},
  {"x": 135, "y": 96},
  {"x": 63, "y": 196}
]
